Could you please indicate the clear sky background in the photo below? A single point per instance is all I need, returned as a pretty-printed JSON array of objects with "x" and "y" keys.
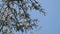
[{"x": 51, "y": 22}]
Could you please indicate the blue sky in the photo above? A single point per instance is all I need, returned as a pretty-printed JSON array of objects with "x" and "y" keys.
[{"x": 51, "y": 22}]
